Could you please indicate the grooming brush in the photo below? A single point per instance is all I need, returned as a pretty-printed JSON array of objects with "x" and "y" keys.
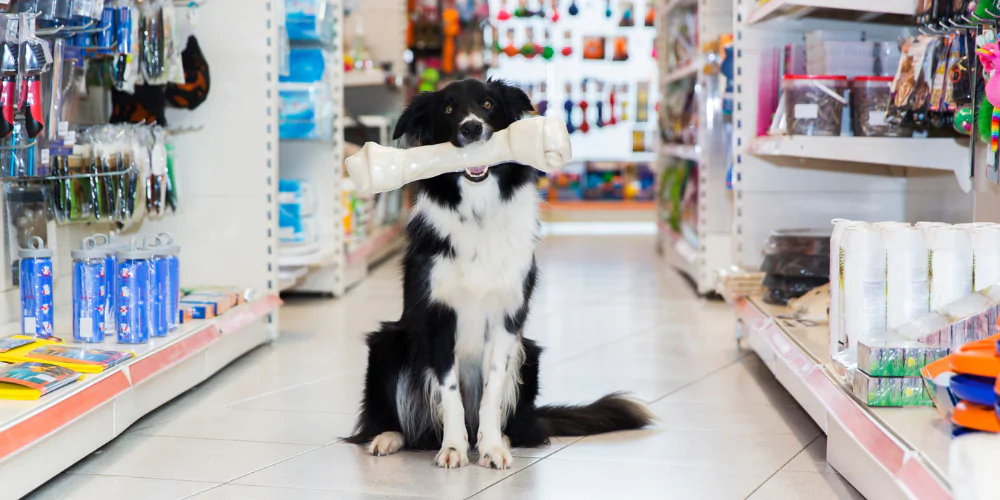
[
  {"x": 37, "y": 59},
  {"x": 8, "y": 77}
]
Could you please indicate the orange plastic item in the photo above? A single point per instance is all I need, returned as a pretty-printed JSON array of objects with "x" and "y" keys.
[
  {"x": 977, "y": 358},
  {"x": 973, "y": 416},
  {"x": 451, "y": 29}
]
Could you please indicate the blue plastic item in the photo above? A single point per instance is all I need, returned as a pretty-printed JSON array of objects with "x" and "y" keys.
[
  {"x": 309, "y": 20},
  {"x": 305, "y": 66},
  {"x": 978, "y": 390}
]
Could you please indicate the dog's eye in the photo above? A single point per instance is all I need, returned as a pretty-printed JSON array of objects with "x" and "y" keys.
[
  {"x": 449, "y": 110},
  {"x": 487, "y": 104}
]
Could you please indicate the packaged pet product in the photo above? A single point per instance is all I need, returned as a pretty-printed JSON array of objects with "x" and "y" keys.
[
  {"x": 305, "y": 111},
  {"x": 837, "y": 339},
  {"x": 890, "y": 391},
  {"x": 89, "y": 292},
  {"x": 896, "y": 358},
  {"x": 985, "y": 255},
  {"x": 950, "y": 265},
  {"x": 907, "y": 274},
  {"x": 310, "y": 20},
  {"x": 133, "y": 297},
  {"x": 863, "y": 284},
  {"x": 36, "y": 289}
]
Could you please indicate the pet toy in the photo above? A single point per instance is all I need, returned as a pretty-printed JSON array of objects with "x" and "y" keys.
[
  {"x": 989, "y": 56},
  {"x": 584, "y": 126},
  {"x": 538, "y": 142}
]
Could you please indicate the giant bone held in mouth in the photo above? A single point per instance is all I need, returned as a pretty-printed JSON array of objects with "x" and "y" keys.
[{"x": 540, "y": 142}]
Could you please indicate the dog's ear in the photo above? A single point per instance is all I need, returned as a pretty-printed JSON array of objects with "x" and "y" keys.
[
  {"x": 417, "y": 121},
  {"x": 516, "y": 103}
]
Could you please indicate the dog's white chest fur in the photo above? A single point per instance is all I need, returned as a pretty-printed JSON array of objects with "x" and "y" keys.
[{"x": 494, "y": 243}]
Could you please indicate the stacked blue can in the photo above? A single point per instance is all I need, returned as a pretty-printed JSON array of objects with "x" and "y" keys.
[
  {"x": 36, "y": 289},
  {"x": 90, "y": 291},
  {"x": 134, "y": 297}
]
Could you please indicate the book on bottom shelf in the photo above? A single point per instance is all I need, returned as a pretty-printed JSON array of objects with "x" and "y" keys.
[{"x": 29, "y": 381}]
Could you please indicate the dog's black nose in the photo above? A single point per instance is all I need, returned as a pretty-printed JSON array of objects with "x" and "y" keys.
[{"x": 472, "y": 130}]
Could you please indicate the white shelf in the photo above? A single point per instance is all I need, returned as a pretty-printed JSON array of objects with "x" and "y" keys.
[
  {"x": 682, "y": 151},
  {"x": 882, "y": 452},
  {"x": 934, "y": 154},
  {"x": 41, "y": 438},
  {"x": 689, "y": 70},
  {"x": 799, "y": 8},
  {"x": 364, "y": 78}
]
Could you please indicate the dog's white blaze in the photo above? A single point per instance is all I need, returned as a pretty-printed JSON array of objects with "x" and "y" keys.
[{"x": 494, "y": 243}]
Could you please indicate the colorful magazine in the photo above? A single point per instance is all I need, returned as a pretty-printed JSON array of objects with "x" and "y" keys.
[
  {"x": 9, "y": 343},
  {"x": 27, "y": 381},
  {"x": 77, "y": 355}
]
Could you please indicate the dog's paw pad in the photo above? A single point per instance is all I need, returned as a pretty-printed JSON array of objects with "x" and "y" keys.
[
  {"x": 386, "y": 443},
  {"x": 451, "y": 458},
  {"x": 495, "y": 457}
]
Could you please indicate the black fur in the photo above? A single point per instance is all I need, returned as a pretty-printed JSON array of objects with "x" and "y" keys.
[{"x": 423, "y": 339}]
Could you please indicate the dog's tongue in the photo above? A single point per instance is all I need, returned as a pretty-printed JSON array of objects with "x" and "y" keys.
[{"x": 477, "y": 170}]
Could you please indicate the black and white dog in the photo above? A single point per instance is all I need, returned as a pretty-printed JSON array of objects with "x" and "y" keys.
[{"x": 456, "y": 362}]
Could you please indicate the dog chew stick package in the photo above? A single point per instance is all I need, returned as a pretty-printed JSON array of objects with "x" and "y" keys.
[{"x": 540, "y": 142}]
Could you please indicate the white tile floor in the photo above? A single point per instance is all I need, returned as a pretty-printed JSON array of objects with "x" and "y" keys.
[{"x": 610, "y": 317}]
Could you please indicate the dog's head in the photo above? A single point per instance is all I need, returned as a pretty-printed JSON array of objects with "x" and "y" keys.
[{"x": 464, "y": 112}]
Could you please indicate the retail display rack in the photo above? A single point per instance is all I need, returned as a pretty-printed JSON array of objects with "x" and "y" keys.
[
  {"x": 695, "y": 234},
  {"x": 882, "y": 452},
  {"x": 226, "y": 166},
  {"x": 343, "y": 236}
]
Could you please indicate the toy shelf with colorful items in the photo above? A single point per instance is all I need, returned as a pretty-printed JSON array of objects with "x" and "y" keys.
[
  {"x": 593, "y": 65},
  {"x": 599, "y": 181}
]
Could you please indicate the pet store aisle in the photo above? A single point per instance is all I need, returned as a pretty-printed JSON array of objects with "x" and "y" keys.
[{"x": 611, "y": 318}]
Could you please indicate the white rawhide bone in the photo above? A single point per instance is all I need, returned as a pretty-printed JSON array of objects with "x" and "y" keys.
[{"x": 540, "y": 142}]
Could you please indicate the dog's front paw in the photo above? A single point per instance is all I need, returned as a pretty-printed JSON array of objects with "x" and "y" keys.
[
  {"x": 495, "y": 453},
  {"x": 386, "y": 443},
  {"x": 451, "y": 457}
]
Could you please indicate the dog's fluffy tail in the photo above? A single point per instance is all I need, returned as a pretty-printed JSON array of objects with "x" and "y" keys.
[{"x": 615, "y": 412}]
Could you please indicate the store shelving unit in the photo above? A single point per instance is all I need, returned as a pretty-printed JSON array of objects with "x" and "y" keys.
[
  {"x": 39, "y": 439},
  {"x": 882, "y": 452},
  {"x": 864, "y": 10},
  {"x": 226, "y": 225},
  {"x": 791, "y": 182},
  {"x": 713, "y": 229}
]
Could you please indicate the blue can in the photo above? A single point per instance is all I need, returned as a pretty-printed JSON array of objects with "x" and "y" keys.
[
  {"x": 133, "y": 298},
  {"x": 105, "y": 243},
  {"x": 160, "y": 280},
  {"x": 106, "y": 36},
  {"x": 90, "y": 292},
  {"x": 36, "y": 289},
  {"x": 172, "y": 253}
]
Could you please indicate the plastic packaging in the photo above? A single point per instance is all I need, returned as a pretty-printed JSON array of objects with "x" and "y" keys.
[
  {"x": 863, "y": 280},
  {"x": 310, "y": 20},
  {"x": 907, "y": 274},
  {"x": 870, "y": 98},
  {"x": 779, "y": 289},
  {"x": 90, "y": 295},
  {"x": 814, "y": 104},
  {"x": 133, "y": 299},
  {"x": 890, "y": 391},
  {"x": 305, "y": 111},
  {"x": 173, "y": 286},
  {"x": 159, "y": 280},
  {"x": 36, "y": 289},
  {"x": 838, "y": 341},
  {"x": 986, "y": 256},
  {"x": 950, "y": 265}
]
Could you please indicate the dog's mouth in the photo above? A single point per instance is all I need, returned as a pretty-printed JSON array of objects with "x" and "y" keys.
[{"x": 477, "y": 174}]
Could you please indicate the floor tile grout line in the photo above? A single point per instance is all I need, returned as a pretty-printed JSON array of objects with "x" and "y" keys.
[
  {"x": 703, "y": 377},
  {"x": 804, "y": 448},
  {"x": 298, "y": 488},
  {"x": 260, "y": 469},
  {"x": 526, "y": 467}
]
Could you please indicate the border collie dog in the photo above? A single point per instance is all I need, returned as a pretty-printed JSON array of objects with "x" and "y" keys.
[{"x": 455, "y": 365}]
